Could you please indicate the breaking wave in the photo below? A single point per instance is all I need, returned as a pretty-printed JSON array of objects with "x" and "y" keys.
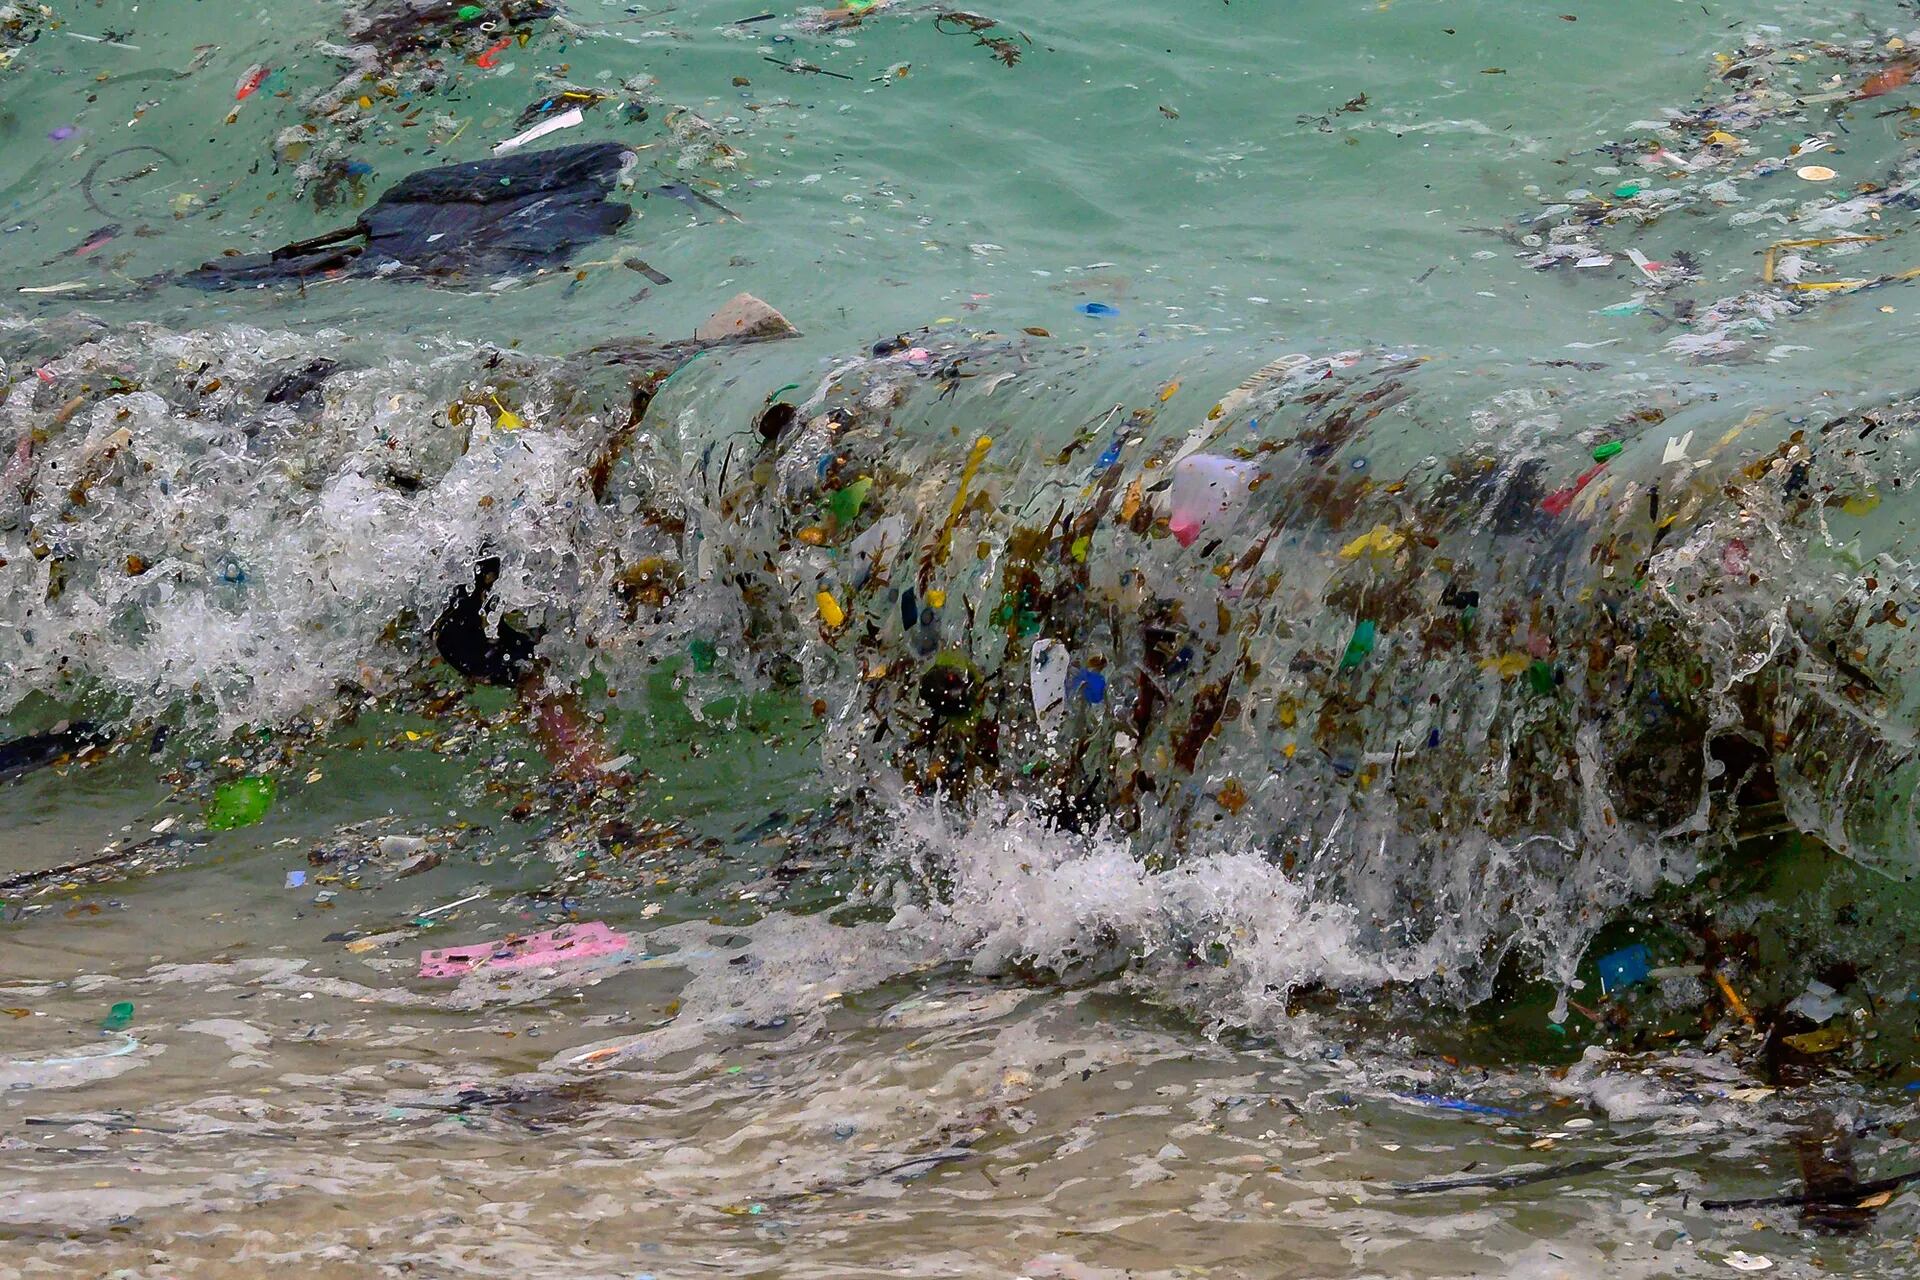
[{"x": 1212, "y": 661}]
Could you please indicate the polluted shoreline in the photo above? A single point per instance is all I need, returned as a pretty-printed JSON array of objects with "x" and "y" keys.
[
  {"x": 1079, "y": 647},
  {"x": 643, "y": 641}
]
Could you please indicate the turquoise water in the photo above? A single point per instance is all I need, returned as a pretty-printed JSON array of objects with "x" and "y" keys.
[
  {"x": 994, "y": 195},
  {"x": 1033, "y": 862}
]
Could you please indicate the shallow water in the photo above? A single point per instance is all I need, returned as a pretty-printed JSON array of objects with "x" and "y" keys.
[{"x": 1140, "y": 987}]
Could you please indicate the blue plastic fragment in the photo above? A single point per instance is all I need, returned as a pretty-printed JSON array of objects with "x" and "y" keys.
[
  {"x": 1097, "y": 309},
  {"x": 1092, "y": 685},
  {"x": 1456, "y": 1104},
  {"x": 295, "y": 879},
  {"x": 1625, "y": 967}
]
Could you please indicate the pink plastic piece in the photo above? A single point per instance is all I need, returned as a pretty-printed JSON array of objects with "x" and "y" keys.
[{"x": 565, "y": 945}]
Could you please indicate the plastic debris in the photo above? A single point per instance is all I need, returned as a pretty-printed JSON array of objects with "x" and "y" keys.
[
  {"x": 565, "y": 120},
  {"x": 1818, "y": 1003},
  {"x": 1205, "y": 487},
  {"x": 241, "y": 803},
  {"x": 515, "y": 213},
  {"x": 1049, "y": 661},
  {"x": 1359, "y": 645},
  {"x": 250, "y": 80},
  {"x": 118, "y": 1017},
  {"x": 34, "y": 751},
  {"x": 1626, "y": 967},
  {"x": 1443, "y": 1103},
  {"x": 1824, "y": 1040},
  {"x": 567, "y": 944}
]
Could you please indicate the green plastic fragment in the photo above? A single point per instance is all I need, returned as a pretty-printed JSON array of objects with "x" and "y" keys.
[
  {"x": 703, "y": 654},
  {"x": 241, "y": 803},
  {"x": 845, "y": 502},
  {"x": 468, "y": 12},
  {"x": 1540, "y": 676},
  {"x": 1631, "y": 308},
  {"x": 1627, "y": 190},
  {"x": 1611, "y": 449},
  {"x": 1359, "y": 646},
  {"x": 119, "y": 1016}
]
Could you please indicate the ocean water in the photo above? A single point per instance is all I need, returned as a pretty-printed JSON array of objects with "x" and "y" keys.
[{"x": 1296, "y": 662}]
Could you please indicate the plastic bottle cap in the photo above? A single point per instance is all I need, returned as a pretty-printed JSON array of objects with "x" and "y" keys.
[{"x": 1816, "y": 173}]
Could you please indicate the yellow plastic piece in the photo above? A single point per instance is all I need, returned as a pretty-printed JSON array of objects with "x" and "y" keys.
[
  {"x": 1507, "y": 665},
  {"x": 1379, "y": 541}
]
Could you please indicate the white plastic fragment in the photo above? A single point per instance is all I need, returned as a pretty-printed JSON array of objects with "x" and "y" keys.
[
  {"x": 565, "y": 120},
  {"x": 1048, "y": 676},
  {"x": 1205, "y": 487}
]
